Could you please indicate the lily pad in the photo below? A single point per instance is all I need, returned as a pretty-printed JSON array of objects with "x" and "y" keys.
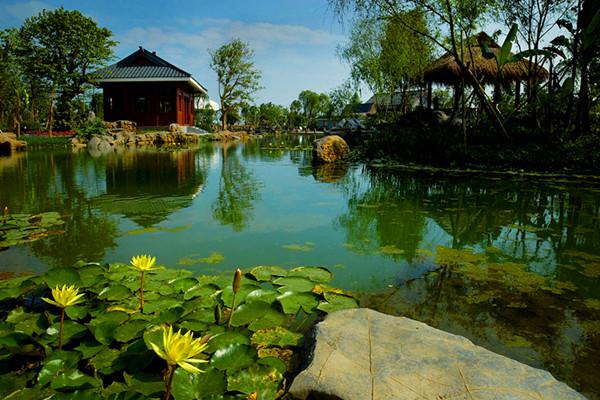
[
  {"x": 225, "y": 339},
  {"x": 161, "y": 304},
  {"x": 233, "y": 357},
  {"x": 130, "y": 330},
  {"x": 292, "y": 302},
  {"x": 264, "y": 295},
  {"x": 246, "y": 313},
  {"x": 262, "y": 380},
  {"x": 61, "y": 276},
  {"x": 146, "y": 384},
  {"x": 336, "y": 302},
  {"x": 268, "y": 320},
  {"x": 114, "y": 293},
  {"x": 266, "y": 272},
  {"x": 298, "y": 247},
  {"x": 276, "y": 336},
  {"x": 188, "y": 386},
  {"x": 199, "y": 291},
  {"x": 315, "y": 274},
  {"x": 104, "y": 360},
  {"x": 294, "y": 284},
  {"x": 105, "y": 332},
  {"x": 227, "y": 294}
]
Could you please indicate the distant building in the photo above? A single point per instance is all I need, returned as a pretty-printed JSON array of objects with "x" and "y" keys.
[
  {"x": 365, "y": 109},
  {"x": 382, "y": 102},
  {"x": 148, "y": 90}
]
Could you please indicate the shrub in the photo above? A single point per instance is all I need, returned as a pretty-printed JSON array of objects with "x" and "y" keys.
[{"x": 90, "y": 128}]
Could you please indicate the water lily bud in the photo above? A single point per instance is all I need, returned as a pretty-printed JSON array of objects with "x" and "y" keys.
[
  {"x": 206, "y": 338},
  {"x": 5, "y": 211},
  {"x": 237, "y": 280}
]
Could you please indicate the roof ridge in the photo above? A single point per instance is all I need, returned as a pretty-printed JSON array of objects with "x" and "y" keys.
[{"x": 152, "y": 57}]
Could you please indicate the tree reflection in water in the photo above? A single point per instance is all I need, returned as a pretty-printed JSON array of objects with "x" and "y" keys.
[
  {"x": 238, "y": 190},
  {"x": 518, "y": 275},
  {"x": 58, "y": 187},
  {"x": 148, "y": 186}
]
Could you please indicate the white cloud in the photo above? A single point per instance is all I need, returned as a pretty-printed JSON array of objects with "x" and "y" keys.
[
  {"x": 291, "y": 57},
  {"x": 17, "y": 12}
]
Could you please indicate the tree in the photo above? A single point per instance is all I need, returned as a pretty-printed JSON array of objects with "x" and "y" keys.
[
  {"x": 295, "y": 115},
  {"x": 536, "y": 19},
  {"x": 343, "y": 100},
  {"x": 205, "y": 118},
  {"x": 313, "y": 105},
  {"x": 251, "y": 115},
  {"x": 12, "y": 88},
  {"x": 237, "y": 76},
  {"x": 272, "y": 116},
  {"x": 59, "y": 49},
  {"x": 387, "y": 56}
]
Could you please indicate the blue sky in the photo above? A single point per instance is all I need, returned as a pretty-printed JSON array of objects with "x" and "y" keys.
[{"x": 294, "y": 41}]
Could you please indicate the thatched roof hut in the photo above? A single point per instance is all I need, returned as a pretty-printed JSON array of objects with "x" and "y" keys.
[{"x": 445, "y": 70}]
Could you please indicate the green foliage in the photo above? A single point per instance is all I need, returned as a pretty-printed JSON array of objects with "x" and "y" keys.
[
  {"x": 314, "y": 105},
  {"x": 237, "y": 76},
  {"x": 59, "y": 49},
  {"x": 344, "y": 99},
  {"x": 205, "y": 118},
  {"x": 90, "y": 128},
  {"x": 47, "y": 142},
  {"x": 106, "y": 351},
  {"x": 387, "y": 54},
  {"x": 272, "y": 117}
]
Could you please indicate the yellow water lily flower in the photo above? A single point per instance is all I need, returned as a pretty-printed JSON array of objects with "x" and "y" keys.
[
  {"x": 143, "y": 262},
  {"x": 180, "y": 350},
  {"x": 65, "y": 296}
]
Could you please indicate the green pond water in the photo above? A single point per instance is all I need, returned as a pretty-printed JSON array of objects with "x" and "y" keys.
[{"x": 510, "y": 262}]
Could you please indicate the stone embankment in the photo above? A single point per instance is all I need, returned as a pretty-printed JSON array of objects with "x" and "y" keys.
[
  {"x": 9, "y": 143},
  {"x": 125, "y": 133},
  {"x": 362, "y": 354}
]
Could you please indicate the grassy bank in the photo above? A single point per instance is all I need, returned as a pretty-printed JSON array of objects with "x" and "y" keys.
[{"x": 46, "y": 142}]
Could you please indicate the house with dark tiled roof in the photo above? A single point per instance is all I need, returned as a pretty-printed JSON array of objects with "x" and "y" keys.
[{"x": 149, "y": 90}]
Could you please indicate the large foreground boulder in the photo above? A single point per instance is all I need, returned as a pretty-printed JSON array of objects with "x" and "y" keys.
[
  {"x": 362, "y": 354},
  {"x": 330, "y": 149}
]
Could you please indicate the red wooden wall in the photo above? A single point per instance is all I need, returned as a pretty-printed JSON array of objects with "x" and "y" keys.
[{"x": 149, "y": 104}]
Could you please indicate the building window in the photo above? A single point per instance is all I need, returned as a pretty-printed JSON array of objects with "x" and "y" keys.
[
  {"x": 164, "y": 104},
  {"x": 141, "y": 104}
]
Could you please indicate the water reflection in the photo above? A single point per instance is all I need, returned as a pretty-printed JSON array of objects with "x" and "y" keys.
[
  {"x": 40, "y": 182},
  {"x": 522, "y": 278},
  {"x": 148, "y": 186},
  {"x": 238, "y": 190},
  {"x": 91, "y": 194}
]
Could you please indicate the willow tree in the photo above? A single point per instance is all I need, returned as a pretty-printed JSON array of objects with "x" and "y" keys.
[
  {"x": 387, "y": 56},
  {"x": 457, "y": 19},
  {"x": 237, "y": 76}
]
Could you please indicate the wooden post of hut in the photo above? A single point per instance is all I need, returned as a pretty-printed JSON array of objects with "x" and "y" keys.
[{"x": 429, "y": 93}]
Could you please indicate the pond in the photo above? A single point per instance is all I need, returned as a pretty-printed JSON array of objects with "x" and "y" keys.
[{"x": 510, "y": 262}]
